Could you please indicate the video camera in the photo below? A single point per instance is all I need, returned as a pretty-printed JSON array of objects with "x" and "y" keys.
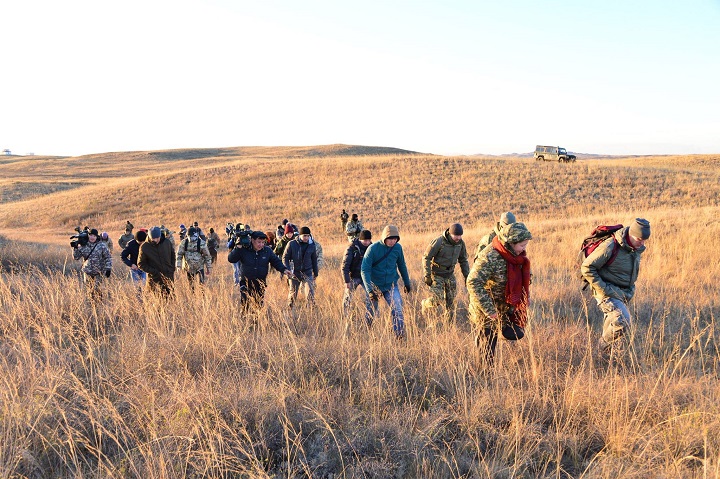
[
  {"x": 80, "y": 239},
  {"x": 239, "y": 234}
]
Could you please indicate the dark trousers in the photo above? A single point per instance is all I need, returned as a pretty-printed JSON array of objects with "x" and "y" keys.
[{"x": 252, "y": 293}]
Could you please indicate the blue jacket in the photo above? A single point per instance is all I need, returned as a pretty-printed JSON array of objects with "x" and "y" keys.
[
  {"x": 385, "y": 273},
  {"x": 255, "y": 263},
  {"x": 303, "y": 256}
]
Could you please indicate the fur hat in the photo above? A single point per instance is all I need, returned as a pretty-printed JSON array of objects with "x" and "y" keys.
[
  {"x": 365, "y": 235},
  {"x": 390, "y": 231},
  {"x": 456, "y": 229},
  {"x": 305, "y": 230},
  {"x": 93, "y": 232},
  {"x": 515, "y": 233},
  {"x": 640, "y": 228}
]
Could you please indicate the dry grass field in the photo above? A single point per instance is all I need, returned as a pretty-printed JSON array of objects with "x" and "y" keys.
[{"x": 135, "y": 387}]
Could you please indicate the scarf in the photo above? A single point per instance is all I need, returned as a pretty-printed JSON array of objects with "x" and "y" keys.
[{"x": 517, "y": 288}]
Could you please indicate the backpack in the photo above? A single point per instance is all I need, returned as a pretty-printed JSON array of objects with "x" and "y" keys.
[{"x": 590, "y": 244}]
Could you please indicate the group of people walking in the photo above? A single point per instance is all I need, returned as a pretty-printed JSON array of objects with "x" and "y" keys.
[{"x": 498, "y": 279}]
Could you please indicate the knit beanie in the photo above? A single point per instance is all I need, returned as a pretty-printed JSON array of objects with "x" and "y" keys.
[
  {"x": 640, "y": 228},
  {"x": 365, "y": 235},
  {"x": 456, "y": 229},
  {"x": 288, "y": 228},
  {"x": 515, "y": 233},
  {"x": 155, "y": 232},
  {"x": 93, "y": 232},
  {"x": 305, "y": 230},
  {"x": 507, "y": 219}
]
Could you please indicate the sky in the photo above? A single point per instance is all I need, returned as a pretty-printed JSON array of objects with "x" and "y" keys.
[{"x": 446, "y": 77}]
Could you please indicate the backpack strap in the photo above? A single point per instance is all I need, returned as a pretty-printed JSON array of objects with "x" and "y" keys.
[{"x": 375, "y": 263}]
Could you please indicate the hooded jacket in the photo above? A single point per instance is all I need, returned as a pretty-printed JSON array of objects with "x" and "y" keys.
[
  {"x": 443, "y": 254},
  {"x": 616, "y": 280},
  {"x": 381, "y": 264}
]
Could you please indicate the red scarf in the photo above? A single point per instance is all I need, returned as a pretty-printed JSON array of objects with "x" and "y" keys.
[{"x": 517, "y": 288}]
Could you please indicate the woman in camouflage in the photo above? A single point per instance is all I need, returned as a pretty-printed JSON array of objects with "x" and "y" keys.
[{"x": 499, "y": 289}]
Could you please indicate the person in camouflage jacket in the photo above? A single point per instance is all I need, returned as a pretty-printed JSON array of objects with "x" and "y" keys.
[
  {"x": 193, "y": 256},
  {"x": 353, "y": 228},
  {"x": 97, "y": 261},
  {"x": 492, "y": 310},
  {"x": 613, "y": 282},
  {"x": 505, "y": 219},
  {"x": 442, "y": 255}
]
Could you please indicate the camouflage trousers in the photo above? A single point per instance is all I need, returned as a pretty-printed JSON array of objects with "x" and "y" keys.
[
  {"x": 442, "y": 293},
  {"x": 616, "y": 319}
]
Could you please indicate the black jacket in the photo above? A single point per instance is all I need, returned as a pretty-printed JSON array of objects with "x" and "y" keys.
[
  {"x": 157, "y": 260},
  {"x": 255, "y": 263},
  {"x": 353, "y": 260},
  {"x": 304, "y": 258},
  {"x": 130, "y": 253}
]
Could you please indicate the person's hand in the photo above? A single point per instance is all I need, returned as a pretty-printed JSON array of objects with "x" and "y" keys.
[
  {"x": 134, "y": 267},
  {"x": 207, "y": 273},
  {"x": 408, "y": 288},
  {"x": 428, "y": 280},
  {"x": 373, "y": 295},
  {"x": 107, "y": 273},
  {"x": 288, "y": 273},
  {"x": 348, "y": 285}
]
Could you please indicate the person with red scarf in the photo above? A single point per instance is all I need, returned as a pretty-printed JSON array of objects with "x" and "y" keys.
[{"x": 499, "y": 289}]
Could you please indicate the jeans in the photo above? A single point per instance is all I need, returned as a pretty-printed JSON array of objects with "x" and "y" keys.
[
  {"x": 138, "y": 276},
  {"x": 347, "y": 298},
  {"x": 394, "y": 300}
]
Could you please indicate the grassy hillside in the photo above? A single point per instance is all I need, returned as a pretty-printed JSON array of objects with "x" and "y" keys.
[{"x": 191, "y": 388}]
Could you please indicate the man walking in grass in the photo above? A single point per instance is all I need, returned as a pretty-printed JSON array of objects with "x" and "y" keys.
[
  {"x": 380, "y": 266},
  {"x": 300, "y": 257},
  {"x": 442, "y": 255},
  {"x": 611, "y": 270},
  {"x": 157, "y": 259}
]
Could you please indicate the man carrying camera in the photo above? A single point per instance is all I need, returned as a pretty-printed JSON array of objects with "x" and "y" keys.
[
  {"x": 301, "y": 257},
  {"x": 255, "y": 261},
  {"x": 96, "y": 258}
]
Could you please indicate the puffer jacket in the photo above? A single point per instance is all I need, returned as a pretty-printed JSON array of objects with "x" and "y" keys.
[
  {"x": 304, "y": 258},
  {"x": 384, "y": 274},
  {"x": 192, "y": 256},
  {"x": 352, "y": 261},
  {"x": 443, "y": 254},
  {"x": 616, "y": 280}
]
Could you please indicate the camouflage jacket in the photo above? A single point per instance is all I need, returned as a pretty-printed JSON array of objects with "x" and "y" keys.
[
  {"x": 353, "y": 229},
  {"x": 443, "y": 254},
  {"x": 486, "y": 283},
  {"x": 486, "y": 240},
  {"x": 281, "y": 245},
  {"x": 96, "y": 258},
  {"x": 616, "y": 280},
  {"x": 125, "y": 239},
  {"x": 319, "y": 252},
  {"x": 109, "y": 244},
  {"x": 192, "y": 256}
]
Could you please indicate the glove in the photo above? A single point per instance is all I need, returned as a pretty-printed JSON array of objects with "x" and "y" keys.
[
  {"x": 373, "y": 296},
  {"x": 107, "y": 273},
  {"x": 408, "y": 289},
  {"x": 428, "y": 280}
]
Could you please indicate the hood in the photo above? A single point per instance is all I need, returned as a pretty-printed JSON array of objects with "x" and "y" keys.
[
  {"x": 389, "y": 231},
  {"x": 449, "y": 239}
]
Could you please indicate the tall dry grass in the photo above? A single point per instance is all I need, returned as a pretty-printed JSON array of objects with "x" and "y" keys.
[{"x": 132, "y": 387}]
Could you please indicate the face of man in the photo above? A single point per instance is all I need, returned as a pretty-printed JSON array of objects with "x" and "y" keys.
[
  {"x": 289, "y": 235},
  {"x": 390, "y": 242},
  {"x": 456, "y": 238},
  {"x": 304, "y": 238},
  {"x": 258, "y": 243},
  {"x": 366, "y": 242},
  {"x": 92, "y": 238},
  {"x": 636, "y": 242},
  {"x": 155, "y": 240},
  {"x": 518, "y": 248}
]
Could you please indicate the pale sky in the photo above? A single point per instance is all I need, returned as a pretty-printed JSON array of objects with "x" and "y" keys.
[{"x": 445, "y": 77}]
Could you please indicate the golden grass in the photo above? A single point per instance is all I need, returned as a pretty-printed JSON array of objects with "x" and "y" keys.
[{"x": 190, "y": 388}]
